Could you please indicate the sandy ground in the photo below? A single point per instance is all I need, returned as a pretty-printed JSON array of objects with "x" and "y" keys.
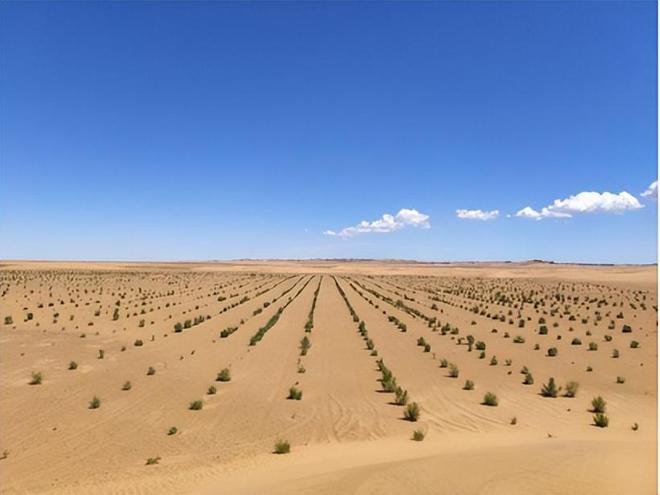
[{"x": 346, "y": 433}]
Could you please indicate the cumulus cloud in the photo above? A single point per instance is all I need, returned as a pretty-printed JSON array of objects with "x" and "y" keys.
[
  {"x": 477, "y": 214},
  {"x": 584, "y": 202},
  {"x": 387, "y": 223},
  {"x": 651, "y": 191}
]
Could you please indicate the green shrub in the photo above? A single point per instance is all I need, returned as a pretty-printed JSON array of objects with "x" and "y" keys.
[
  {"x": 305, "y": 344},
  {"x": 601, "y": 420},
  {"x": 453, "y": 370},
  {"x": 73, "y": 365},
  {"x": 634, "y": 344},
  {"x": 172, "y": 431},
  {"x": 295, "y": 393},
  {"x": 412, "y": 412},
  {"x": 571, "y": 389},
  {"x": 138, "y": 343},
  {"x": 518, "y": 339},
  {"x": 626, "y": 329},
  {"x": 37, "y": 378},
  {"x": 153, "y": 460},
  {"x": 480, "y": 346},
  {"x": 95, "y": 403},
  {"x": 620, "y": 379},
  {"x": 550, "y": 389},
  {"x": 127, "y": 386},
  {"x": 598, "y": 405},
  {"x": 493, "y": 361},
  {"x": 418, "y": 435},
  {"x": 224, "y": 375},
  {"x": 552, "y": 352},
  {"x": 615, "y": 353},
  {"x": 576, "y": 341},
  {"x": 178, "y": 327},
  {"x": 400, "y": 397},
  {"x": 469, "y": 385},
  {"x": 212, "y": 390},
  {"x": 282, "y": 447},
  {"x": 490, "y": 399},
  {"x": 444, "y": 363},
  {"x": 529, "y": 379},
  {"x": 196, "y": 405},
  {"x": 101, "y": 353},
  {"x": 151, "y": 371},
  {"x": 9, "y": 320}
]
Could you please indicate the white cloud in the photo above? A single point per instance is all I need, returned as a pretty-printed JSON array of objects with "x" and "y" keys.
[
  {"x": 387, "y": 223},
  {"x": 651, "y": 191},
  {"x": 584, "y": 202},
  {"x": 477, "y": 214}
]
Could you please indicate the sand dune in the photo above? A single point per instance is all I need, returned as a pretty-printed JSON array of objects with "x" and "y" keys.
[{"x": 346, "y": 433}]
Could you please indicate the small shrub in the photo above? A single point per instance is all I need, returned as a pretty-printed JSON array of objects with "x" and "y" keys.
[
  {"x": 73, "y": 365},
  {"x": 295, "y": 393},
  {"x": 212, "y": 390},
  {"x": 453, "y": 371},
  {"x": 127, "y": 386},
  {"x": 493, "y": 361},
  {"x": 9, "y": 320},
  {"x": 418, "y": 435},
  {"x": 571, "y": 389},
  {"x": 626, "y": 329},
  {"x": 469, "y": 385},
  {"x": 490, "y": 399},
  {"x": 576, "y": 341},
  {"x": 529, "y": 379},
  {"x": 196, "y": 405},
  {"x": 635, "y": 427},
  {"x": 634, "y": 344},
  {"x": 598, "y": 405},
  {"x": 282, "y": 447},
  {"x": 138, "y": 343},
  {"x": 593, "y": 346},
  {"x": 151, "y": 371},
  {"x": 550, "y": 389},
  {"x": 400, "y": 397},
  {"x": 601, "y": 420},
  {"x": 37, "y": 377},
  {"x": 101, "y": 353},
  {"x": 412, "y": 411},
  {"x": 153, "y": 460},
  {"x": 172, "y": 431},
  {"x": 95, "y": 403},
  {"x": 518, "y": 339},
  {"x": 552, "y": 352},
  {"x": 620, "y": 379},
  {"x": 224, "y": 375},
  {"x": 514, "y": 421},
  {"x": 615, "y": 353}
]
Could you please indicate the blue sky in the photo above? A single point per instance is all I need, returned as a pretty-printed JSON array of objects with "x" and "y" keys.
[{"x": 165, "y": 131}]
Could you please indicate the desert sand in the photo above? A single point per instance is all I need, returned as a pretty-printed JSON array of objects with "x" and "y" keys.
[{"x": 148, "y": 340}]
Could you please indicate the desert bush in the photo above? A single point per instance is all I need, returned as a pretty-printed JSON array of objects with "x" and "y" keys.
[
  {"x": 101, "y": 354},
  {"x": 196, "y": 405},
  {"x": 73, "y": 365},
  {"x": 212, "y": 390},
  {"x": 490, "y": 399},
  {"x": 412, "y": 412},
  {"x": 427, "y": 348},
  {"x": 469, "y": 385},
  {"x": 635, "y": 427},
  {"x": 608, "y": 338},
  {"x": 178, "y": 327},
  {"x": 493, "y": 361},
  {"x": 305, "y": 344},
  {"x": 634, "y": 344},
  {"x": 529, "y": 379},
  {"x": 400, "y": 396},
  {"x": 482, "y": 355},
  {"x": 576, "y": 341},
  {"x": 295, "y": 393},
  {"x": 543, "y": 330},
  {"x": 615, "y": 353},
  {"x": 138, "y": 343},
  {"x": 95, "y": 403},
  {"x": 37, "y": 377},
  {"x": 151, "y": 371},
  {"x": 480, "y": 346},
  {"x": 418, "y": 435},
  {"x": 593, "y": 346},
  {"x": 127, "y": 386},
  {"x": 444, "y": 363},
  {"x": 9, "y": 320},
  {"x": 626, "y": 329},
  {"x": 552, "y": 352},
  {"x": 453, "y": 370},
  {"x": 550, "y": 389},
  {"x": 282, "y": 447},
  {"x": 571, "y": 389},
  {"x": 301, "y": 368},
  {"x": 224, "y": 375},
  {"x": 620, "y": 379},
  {"x": 598, "y": 405},
  {"x": 172, "y": 431},
  {"x": 153, "y": 460},
  {"x": 518, "y": 339},
  {"x": 601, "y": 420}
]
